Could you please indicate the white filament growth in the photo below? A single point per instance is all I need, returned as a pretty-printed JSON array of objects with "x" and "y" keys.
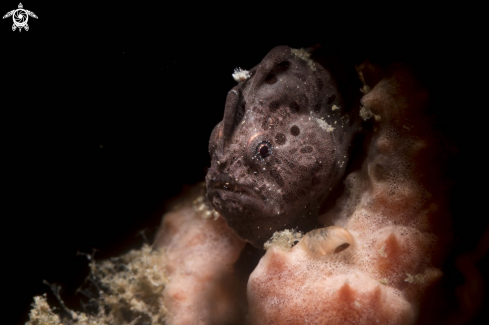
[{"x": 241, "y": 75}]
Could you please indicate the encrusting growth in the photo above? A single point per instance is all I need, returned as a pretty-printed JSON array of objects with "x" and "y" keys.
[
  {"x": 284, "y": 239},
  {"x": 131, "y": 293}
]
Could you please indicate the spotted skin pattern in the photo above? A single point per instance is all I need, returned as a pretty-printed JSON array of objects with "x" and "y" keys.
[{"x": 281, "y": 146}]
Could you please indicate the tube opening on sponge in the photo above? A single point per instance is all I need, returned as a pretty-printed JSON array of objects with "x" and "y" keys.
[
  {"x": 342, "y": 247},
  {"x": 326, "y": 241}
]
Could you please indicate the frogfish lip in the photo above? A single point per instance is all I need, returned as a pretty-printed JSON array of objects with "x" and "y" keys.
[{"x": 224, "y": 183}]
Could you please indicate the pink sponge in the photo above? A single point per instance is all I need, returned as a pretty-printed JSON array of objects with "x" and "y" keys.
[
  {"x": 200, "y": 252},
  {"x": 387, "y": 233}
]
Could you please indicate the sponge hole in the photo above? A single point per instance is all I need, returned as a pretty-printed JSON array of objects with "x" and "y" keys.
[{"x": 341, "y": 248}]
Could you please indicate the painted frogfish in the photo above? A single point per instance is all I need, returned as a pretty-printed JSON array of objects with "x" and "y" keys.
[{"x": 283, "y": 144}]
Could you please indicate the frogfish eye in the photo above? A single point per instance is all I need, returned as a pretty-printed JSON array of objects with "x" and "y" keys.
[{"x": 264, "y": 149}]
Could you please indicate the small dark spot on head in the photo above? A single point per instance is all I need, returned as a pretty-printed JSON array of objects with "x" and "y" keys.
[
  {"x": 271, "y": 79},
  {"x": 264, "y": 125},
  {"x": 294, "y": 107},
  {"x": 280, "y": 138},
  {"x": 274, "y": 106},
  {"x": 306, "y": 149},
  {"x": 295, "y": 131}
]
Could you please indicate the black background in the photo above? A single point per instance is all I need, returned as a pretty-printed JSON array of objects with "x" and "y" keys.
[{"x": 106, "y": 113}]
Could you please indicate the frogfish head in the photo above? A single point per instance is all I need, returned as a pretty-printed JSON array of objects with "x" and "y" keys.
[{"x": 283, "y": 143}]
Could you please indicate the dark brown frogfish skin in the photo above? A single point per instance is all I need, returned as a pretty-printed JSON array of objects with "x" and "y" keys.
[{"x": 283, "y": 143}]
